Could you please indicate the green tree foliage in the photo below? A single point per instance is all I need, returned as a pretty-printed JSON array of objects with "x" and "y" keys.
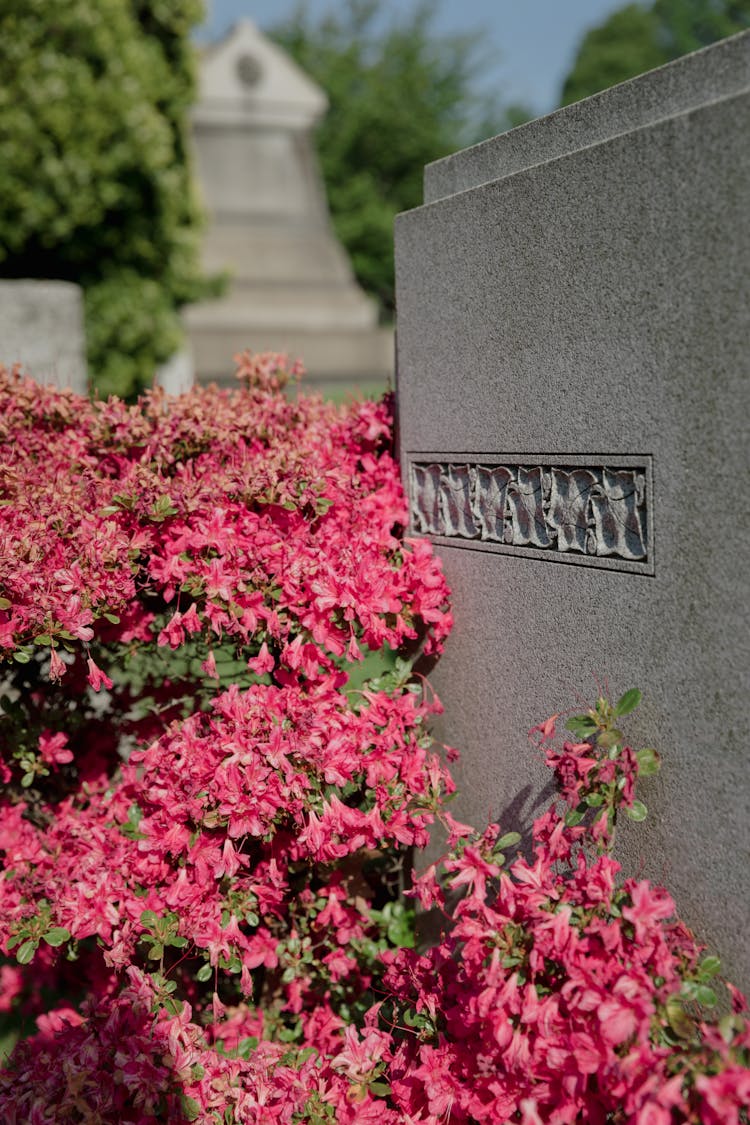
[
  {"x": 94, "y": 177},
  {"x": 638, "y": 38},
  {"x": 400, "y": 96}
]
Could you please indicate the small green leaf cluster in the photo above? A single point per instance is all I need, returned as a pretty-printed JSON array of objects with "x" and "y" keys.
[
  {"x": 161, "y": 932},
  {"x": 607, "y": 783},
  {"x": 28, "y": 933}
]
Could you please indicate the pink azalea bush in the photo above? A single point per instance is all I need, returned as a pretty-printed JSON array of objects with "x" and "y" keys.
[{"x": 212, "y": 789}]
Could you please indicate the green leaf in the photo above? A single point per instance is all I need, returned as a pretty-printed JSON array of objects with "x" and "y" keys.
[
  {"x": 5, "y": 604},
  {"x": 112, "y": 618},
  {"x": 709, "y": 967},
  {"x": 43, "y": 639},
  {"x": 204, "y": 973},
  {"x": 382, "y": 1089},
  {"x": 637, "y": 811},
  {"x": 161, "y": 509},
  {"x": 25, "y": 952},
  {"x": 729, "y": 1026},
  {"x": 594, "y": 800},
  {"x": 21, "y": 656},
  {"x": 678, "y": 1019},
  {"x": 132, "y": 832},
  {"x": 246, "y": 1046},
  {"x": 148, "y": 918},
  {"x": 705, "y": 996},
  {"x": 27, "y": 779},
  {"x": 57, "y": 936},
  {"x": 628, "y": 702},
  {"x": 156, "y": 951},
  {"x": 648, "y": 762},
  {"x": 508, "y": 840},
  {"x": 190, "y": 1107},
  {"x": 581, "y": 724},
  {"x": 574, "y": 817}
]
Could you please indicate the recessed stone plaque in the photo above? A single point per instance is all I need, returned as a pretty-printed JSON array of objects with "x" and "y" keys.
[{"x": 589, "y": 510}]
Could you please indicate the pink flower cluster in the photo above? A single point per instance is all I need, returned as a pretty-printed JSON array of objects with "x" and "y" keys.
[
  {"x": 562, "y": 993},
  {"x": 215, "y": 768}
]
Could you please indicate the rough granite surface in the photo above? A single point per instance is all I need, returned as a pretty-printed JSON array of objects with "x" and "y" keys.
[
  {"x": 591, "y": 301},
  {"x": 715, "y": 72}
]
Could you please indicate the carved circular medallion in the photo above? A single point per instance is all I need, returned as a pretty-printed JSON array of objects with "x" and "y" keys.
[{"x": 249, "y": 70}]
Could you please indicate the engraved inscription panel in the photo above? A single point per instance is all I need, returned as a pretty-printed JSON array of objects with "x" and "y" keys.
[{"x": 594, "y": 511}]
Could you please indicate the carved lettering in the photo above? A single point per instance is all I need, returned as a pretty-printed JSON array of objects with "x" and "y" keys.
[
  {"x": 594, "y": 510},
  {"x": 568, "y": 515},
  {"x": 425, "y": 493},
  {"x": 527, "y": 527},
  {"x": 488, "y": 503},
  {"x": 455, "y": 495},
  {"x": 618, "y": 518}
]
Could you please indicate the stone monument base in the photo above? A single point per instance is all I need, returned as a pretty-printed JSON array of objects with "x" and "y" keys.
[{"x": 335, "y": 358}]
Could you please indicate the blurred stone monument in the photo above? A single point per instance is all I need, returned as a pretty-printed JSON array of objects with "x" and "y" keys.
[
  {"x": 291, "y": 285},
  {"x": 41, "y": 327}
]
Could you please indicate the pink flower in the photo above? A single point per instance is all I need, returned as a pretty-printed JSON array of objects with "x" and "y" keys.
[
  {"x": 54, "y": 747},
  {"x": 263, "y": 662},
  {"x": 649, "y": 906},
  {"x": 473, "y": 871},
  {"x": 361, "y": 1053},
  {"x": 57, "y": 666},
  {"x": 530, "y": 1114},
  {"x": 96, "y": 677}
]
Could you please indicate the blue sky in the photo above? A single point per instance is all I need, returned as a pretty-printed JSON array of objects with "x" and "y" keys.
[{"x": 533, "y": 42}]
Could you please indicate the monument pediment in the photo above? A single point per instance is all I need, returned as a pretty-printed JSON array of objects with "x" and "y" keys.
[{"x": 246, "y": 75}]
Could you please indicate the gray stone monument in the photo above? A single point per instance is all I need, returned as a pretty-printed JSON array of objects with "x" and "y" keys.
[
  {"x": 41, "y": 327},
  {"x": 292, "y": 287},
  {"x": 177, "y": 375},
  {"x": 572, "y": 379}
]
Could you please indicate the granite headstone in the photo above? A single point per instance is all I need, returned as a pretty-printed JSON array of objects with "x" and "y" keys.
[{"x": 573, "y": 394}]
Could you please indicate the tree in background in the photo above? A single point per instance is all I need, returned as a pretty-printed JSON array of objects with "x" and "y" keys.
[
  {"x": 400, "y": 96},
  {"x": 94, "y": 178},
  {"x": 638, "y": 38}
]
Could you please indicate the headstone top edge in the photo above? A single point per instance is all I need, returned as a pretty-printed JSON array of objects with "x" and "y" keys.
[
  {"x": 42, "y": 284},
  {"x": 718, "y": 71}
]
